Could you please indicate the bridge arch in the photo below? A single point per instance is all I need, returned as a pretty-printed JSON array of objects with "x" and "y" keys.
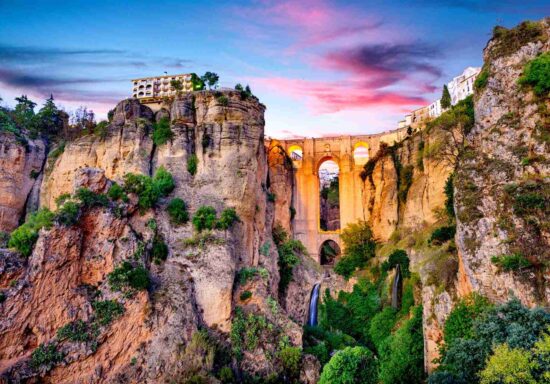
[{"x": 329, "y": 252}]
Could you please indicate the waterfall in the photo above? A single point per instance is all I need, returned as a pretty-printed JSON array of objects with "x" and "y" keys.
[
  {"x": 397, "y": 288},
  {"x": 312, "y": 318}
]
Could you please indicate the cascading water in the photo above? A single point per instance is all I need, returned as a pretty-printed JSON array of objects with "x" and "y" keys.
[
  {"x": 312, "y": 318},
  {"x": 397, "y": 288}
]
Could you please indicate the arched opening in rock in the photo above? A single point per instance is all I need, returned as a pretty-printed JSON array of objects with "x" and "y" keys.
[
  {"x": 361, "y": 153},
  {"x": 295, "y": 152},
  {"x": 329, "y": 252},
  {"x": 329, "y": 199}
]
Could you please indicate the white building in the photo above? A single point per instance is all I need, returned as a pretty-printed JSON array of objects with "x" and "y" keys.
[
  {"x": 434, "y": 109},
  {"x": 462, "y": 86},
  {"x": 150, "y": 89}
]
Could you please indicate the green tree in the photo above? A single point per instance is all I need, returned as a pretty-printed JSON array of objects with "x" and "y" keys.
[
  {"x": 359, "y": 246},
  {"x": 49, "y": 118},
  {"x": 508, "y": 366},
  {"x": 196, "y": 82},
  {"x": 211, "y": 79},
  {"x": 445, "y": 98},
  {"x": 23, "y": 114},
  {"x": 353, "y": 365}
]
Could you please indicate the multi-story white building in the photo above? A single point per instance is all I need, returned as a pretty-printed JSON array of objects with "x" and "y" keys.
[
  {"x": 151, "y": 89},
  {"x": 434, "y": 109},
  {"x": 462, "y": 86}
]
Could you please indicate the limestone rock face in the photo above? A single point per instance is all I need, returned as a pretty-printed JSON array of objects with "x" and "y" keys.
[
  {"x": 281, "y": 183},
  {"x": 126, "y": 148},
  {"x": 196, "y": 286},
  {"x": 380, "y": 199},
  {"x": 20, "y": 165},
  {"x": 495, "y": 175}
]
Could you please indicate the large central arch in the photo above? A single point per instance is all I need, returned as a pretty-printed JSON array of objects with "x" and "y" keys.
[{"x": 350, "y": 153}]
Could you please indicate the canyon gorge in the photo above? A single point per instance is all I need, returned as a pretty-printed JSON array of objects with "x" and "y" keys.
[{"x": 126, "y": 257}]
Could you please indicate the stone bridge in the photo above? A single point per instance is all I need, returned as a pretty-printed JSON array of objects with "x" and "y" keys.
[{"x": 350, "y": 153}]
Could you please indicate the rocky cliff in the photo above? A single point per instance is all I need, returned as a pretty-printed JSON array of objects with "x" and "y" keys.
[
  {"x": 151, "y": 335},
  {"x": 502, "y": 190},
  {"x": 21, "y": 162}
]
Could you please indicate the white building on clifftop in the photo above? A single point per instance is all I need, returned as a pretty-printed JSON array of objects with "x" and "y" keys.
[
  {"x": 462, "y": 86},
  {"x": 151, "y": 89}
]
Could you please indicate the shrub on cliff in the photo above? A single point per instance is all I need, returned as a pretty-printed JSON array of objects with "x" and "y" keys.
[
  {"x": 24, "y": 237},
  {"x": 228, "y": 217},
  {"x": 162, "y": 133},
  {"x": 204, "y": 218},
  {"x": 351, "y": 365},
  {"x": 149, "y": 190},
  {"x": 127, "y": 278},
  {"x": 513, "y": 262},
  {"x": 159, "y": 251},
  {"x": 192, "y": 163},
  {"x": 537, "y": 74},
  {"x": 359, "y": 246},
  {"x": 116, "y": 192},
  {"x": 177, "y": 210},
  {"x": 46, "y": 356},
  {"x": 68, "y": 213},
  {"x": 91, "y": 199}
]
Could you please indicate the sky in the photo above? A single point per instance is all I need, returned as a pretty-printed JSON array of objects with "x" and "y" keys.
[{"x": 322, "y": 68}]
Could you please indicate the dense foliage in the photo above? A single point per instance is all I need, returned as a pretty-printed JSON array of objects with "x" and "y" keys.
[
  {"x": 359, "y": 247},
  {"x": 475, "y": 331},
  {"x": 352, "y": 365},
  {"x": 364, "y": 318}
]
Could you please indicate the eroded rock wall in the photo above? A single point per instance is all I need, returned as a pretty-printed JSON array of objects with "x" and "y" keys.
[
  {"x": 20, "y": 165},
  {"x": 505, "y": 163}
]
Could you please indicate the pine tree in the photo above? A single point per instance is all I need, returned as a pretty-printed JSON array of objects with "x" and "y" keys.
[{"x": 445, "y": 98}]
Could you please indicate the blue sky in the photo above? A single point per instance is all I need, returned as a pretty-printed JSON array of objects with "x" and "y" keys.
[{"x": 320, "y": 67}]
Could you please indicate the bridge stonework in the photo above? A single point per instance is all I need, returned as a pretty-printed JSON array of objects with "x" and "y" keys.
[{"x": 305, "y": 194}]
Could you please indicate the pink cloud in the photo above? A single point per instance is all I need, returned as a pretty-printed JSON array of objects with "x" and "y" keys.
[
  {"x": 335, "y": 96},
  {"x": 311, "y": 22}
]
